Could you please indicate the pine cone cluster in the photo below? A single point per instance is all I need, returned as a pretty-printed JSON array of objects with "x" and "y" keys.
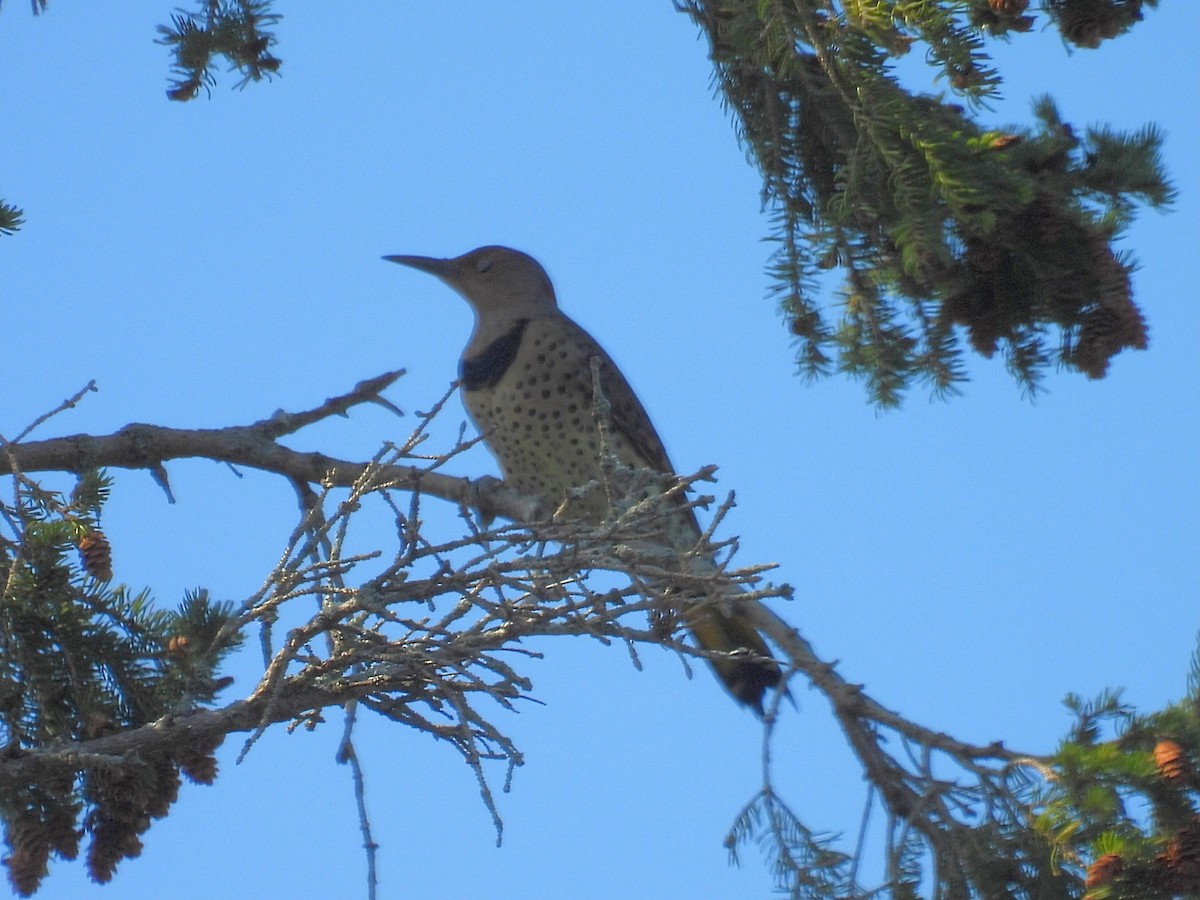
[
  {"x": 124, "y": 801},
  {"x": 1088, "y": 23},
  {"x": 32, "y": 837}
]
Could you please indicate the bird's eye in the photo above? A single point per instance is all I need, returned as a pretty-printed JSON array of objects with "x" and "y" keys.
[{"x": 483, "y": 265}]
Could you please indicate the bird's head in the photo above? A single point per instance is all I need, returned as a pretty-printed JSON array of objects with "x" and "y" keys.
[{"x": 496, "y": 281}]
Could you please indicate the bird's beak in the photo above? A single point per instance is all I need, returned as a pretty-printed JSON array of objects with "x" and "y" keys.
[{"x": 442, "y": 268}]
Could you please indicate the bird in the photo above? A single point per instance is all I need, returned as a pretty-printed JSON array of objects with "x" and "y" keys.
[{"x": 526, "y": 378}]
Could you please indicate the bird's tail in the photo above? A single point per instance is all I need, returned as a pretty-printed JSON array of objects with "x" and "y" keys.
[
  {"x": 740, "y": 658},
  {"x": 744, "y": 664}
]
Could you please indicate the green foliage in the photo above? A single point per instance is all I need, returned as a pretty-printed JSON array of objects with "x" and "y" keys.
[
  {"x": 954, "y": 821},
  {"x": 11, "y": 218},
  {"x": 1124, "y": 796},
  {"x": 944, "y": 227},
  {"x": 805, "y": 864},
  {"x": 234, "y": 29},
  {"x": 83, "y": 659},
  {"x": 1112, "y": 814}
]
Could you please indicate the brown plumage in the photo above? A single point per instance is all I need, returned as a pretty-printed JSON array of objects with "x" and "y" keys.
[{"x": 527, "y": 382}]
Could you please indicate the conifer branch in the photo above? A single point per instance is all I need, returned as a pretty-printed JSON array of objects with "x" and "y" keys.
[
  {"x": 11, "y": 218},
  {"x": 941, "y": 223},
  {"x": 238, "y": 31}
]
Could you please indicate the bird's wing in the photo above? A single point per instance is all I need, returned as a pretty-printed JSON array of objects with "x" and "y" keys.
[{"x": 628, "y": 415}]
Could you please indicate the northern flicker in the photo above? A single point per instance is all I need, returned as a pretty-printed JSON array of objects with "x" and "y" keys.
[{"x": 526, "y": 380}]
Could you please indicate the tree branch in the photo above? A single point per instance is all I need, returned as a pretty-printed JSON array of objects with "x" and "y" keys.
[
  {"x": 19, "y": 768},
  {"x": 141, "y": 446}
]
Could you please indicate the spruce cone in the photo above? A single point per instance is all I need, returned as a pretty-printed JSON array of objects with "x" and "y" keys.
[
  {"x": 1089, "y": 25},
  {"x": 197, "y": 762},
  {"x": 1105, "y": 332},
  {"x": 97, "y": 555},
  {"x": 1008, "y": 7},
  {"x": 41, "y": 822},
  {"x": 124, "y": 801},
  {"x": 1114, "y": 322},
  {"x": 30, "y": 846},
  {"x": 185, "y": 90},
  {"x": 112, "y": 841},
  {"x": 1182, "y": 859},
  {"x": 200, "y": 769},
  {"x": 1172, "y": 762},
  {"x": 1103, "y": 870}
]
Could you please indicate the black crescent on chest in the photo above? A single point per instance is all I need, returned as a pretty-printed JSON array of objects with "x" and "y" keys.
[{"x": 486, "y": 368}]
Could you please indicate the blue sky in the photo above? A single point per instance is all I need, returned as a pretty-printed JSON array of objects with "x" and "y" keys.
[{"x": 207, "y": 263}]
